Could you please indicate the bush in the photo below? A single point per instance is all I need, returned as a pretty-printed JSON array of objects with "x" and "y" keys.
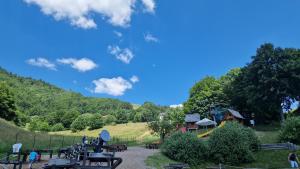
[
  {"x": 37, "y": 124},
  {"x": 186, "y": 148},
  {"x": 58, "y": 127},
  {"x": 82, "y": 122},
  {"x": 96, "y": 122},
  {"x": 43, "y": 126},
  {"x": 232, "y": 144},
  {"x": 289, "y": 132},
  {"x": 109, "y": 119}
]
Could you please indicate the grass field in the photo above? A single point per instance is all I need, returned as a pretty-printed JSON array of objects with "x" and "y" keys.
[
  {"x": 10, "y": 134},
  {"x": 130, "y": 131},
  {"x": 131, "y": 134}
]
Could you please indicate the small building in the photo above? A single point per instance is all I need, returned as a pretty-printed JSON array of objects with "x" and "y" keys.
[
  {"x": 233, "y": 115},
  {"x": 191, "y": 120},
  {"x": 220, "y": 114}
]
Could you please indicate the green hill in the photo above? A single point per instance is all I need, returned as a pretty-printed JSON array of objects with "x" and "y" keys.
[{"x": 36, "y": 97}]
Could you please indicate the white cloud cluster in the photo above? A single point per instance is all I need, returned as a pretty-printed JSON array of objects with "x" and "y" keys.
[
  {"x": 41, "y": 62},
  {"x": 176, "y": 106},
  {"x": 149, "y": 5},
  {"x": 118, "y": 34},
  {"x": 82, "y": 65},
  {"x": 125, "y": 55},
  {"x": 134, "y": 79},
  {"x": 150, "y": 38},
  {"x": 79, "y": 12},
  {"x": 116, "y": 86}
]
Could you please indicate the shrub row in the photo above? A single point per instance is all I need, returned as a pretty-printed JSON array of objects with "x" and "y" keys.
[{"x": 231, "y": 144}]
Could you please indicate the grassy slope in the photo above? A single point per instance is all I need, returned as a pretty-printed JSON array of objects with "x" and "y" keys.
[
  {"x": 8, "y": 132},
  {"x": 136, "y": 131}
]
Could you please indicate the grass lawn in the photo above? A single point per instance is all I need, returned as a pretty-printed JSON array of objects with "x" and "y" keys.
[
  {"x": 158, "y": 160},
  {"x": 268, "y": 159},
  {"x": 131, "y": 134},
  {"x": 10, "y": 134},
  {"x": 138, "y": 132}
]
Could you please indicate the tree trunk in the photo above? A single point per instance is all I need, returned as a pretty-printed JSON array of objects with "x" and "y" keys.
[{"x": 281, "y": 116}]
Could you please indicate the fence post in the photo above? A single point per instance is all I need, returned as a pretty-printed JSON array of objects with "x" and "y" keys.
[
  {"x": 34, "y": 141},
  {"x": 17, "y": 135},
  {"x": 50, "y": 142},
  {"x": 62, "y": 143}
]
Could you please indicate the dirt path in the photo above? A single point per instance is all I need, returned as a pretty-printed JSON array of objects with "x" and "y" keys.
[{"x": 133, "y": 158}]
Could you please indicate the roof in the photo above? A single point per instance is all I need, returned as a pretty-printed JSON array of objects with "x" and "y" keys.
[
  {"x": 206, "y": 122},
  {"x": 236, "y": 114},
  {"x": 192, "y": 117}
]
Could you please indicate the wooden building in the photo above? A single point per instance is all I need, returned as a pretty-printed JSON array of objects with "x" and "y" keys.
[{"x": 190, "y": 121}]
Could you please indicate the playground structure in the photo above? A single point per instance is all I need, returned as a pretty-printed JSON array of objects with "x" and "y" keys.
[{"x": 210, "y": 131}]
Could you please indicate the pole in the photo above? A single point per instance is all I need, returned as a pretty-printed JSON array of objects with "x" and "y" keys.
[
  {"x": 50, "y": 142},
  {"x": 62, "y": 143},
  {"x": 34, "y": 141},
  {"x": 17, "y": 137}
]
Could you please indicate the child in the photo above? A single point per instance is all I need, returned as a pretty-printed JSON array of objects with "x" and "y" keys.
[
  {"x": 293, "y": 159},
  {"x": 32, "y": 158}
]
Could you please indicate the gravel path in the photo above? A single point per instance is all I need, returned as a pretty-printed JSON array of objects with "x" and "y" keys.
[{"x": 133, "y": 158}]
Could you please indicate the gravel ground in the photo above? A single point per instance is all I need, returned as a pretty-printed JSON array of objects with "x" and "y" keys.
[{"x": 133, "y": 158}]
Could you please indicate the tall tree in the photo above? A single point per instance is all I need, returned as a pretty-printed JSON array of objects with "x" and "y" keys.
[
  {"x": 269, "y": 83},
  {"x": 7, "y": 103},
  {"x": 204, "y": 94},
  {"x": 162, "y": 126}
]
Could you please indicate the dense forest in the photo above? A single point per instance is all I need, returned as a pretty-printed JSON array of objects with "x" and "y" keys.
[{"x": 46, "y": 107}]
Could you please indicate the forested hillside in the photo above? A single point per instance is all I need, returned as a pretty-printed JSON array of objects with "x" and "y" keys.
[
  {"x": 36, "y": 97},
  {"x": 45, "y": 107}
]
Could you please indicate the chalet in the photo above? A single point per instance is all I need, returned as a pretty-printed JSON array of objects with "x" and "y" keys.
[
  {"x": 230, "y": 115},
  {"x": 220, "y": 114},
  {"x": 191, "y": 120}
]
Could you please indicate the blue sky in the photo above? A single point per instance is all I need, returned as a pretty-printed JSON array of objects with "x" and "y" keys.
[{"x": 139, "y": 50}]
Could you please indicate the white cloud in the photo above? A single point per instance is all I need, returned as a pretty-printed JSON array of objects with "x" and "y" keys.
[
  {"x": 80, "y": 12},
  {"x": 82, "y": 65},
  {"x": 176, "y": 106},
  {"x": 125, "y": 55},
  {"x": 149, "y": 5},
  {"x": 150, "y": 38},
  {"x": 118, "y": 34},
  {"x": 134, "y": 79},
  {"x": 41, "y": 62},
  {"x": 116, "y": 86}
]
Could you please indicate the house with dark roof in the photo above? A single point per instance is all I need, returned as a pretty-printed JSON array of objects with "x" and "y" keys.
[
  {"x": 220, "y": 114},
  {"x": 191, "y": 120}
]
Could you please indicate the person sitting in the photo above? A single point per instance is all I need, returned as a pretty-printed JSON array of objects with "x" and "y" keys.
[
  {"x": 293, "y": 159},
  {"x": 32, "y": 158}
]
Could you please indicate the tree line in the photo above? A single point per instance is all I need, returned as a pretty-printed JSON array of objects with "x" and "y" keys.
[{"x": 265, "y": 87}]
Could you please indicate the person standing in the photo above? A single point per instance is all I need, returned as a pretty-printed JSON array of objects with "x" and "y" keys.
[
  {"x": 32, "y": 158},
  {"x": 293, "y": 159}
]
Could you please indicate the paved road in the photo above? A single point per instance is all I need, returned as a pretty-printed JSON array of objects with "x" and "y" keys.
[{"x": 133, "y": 158}]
